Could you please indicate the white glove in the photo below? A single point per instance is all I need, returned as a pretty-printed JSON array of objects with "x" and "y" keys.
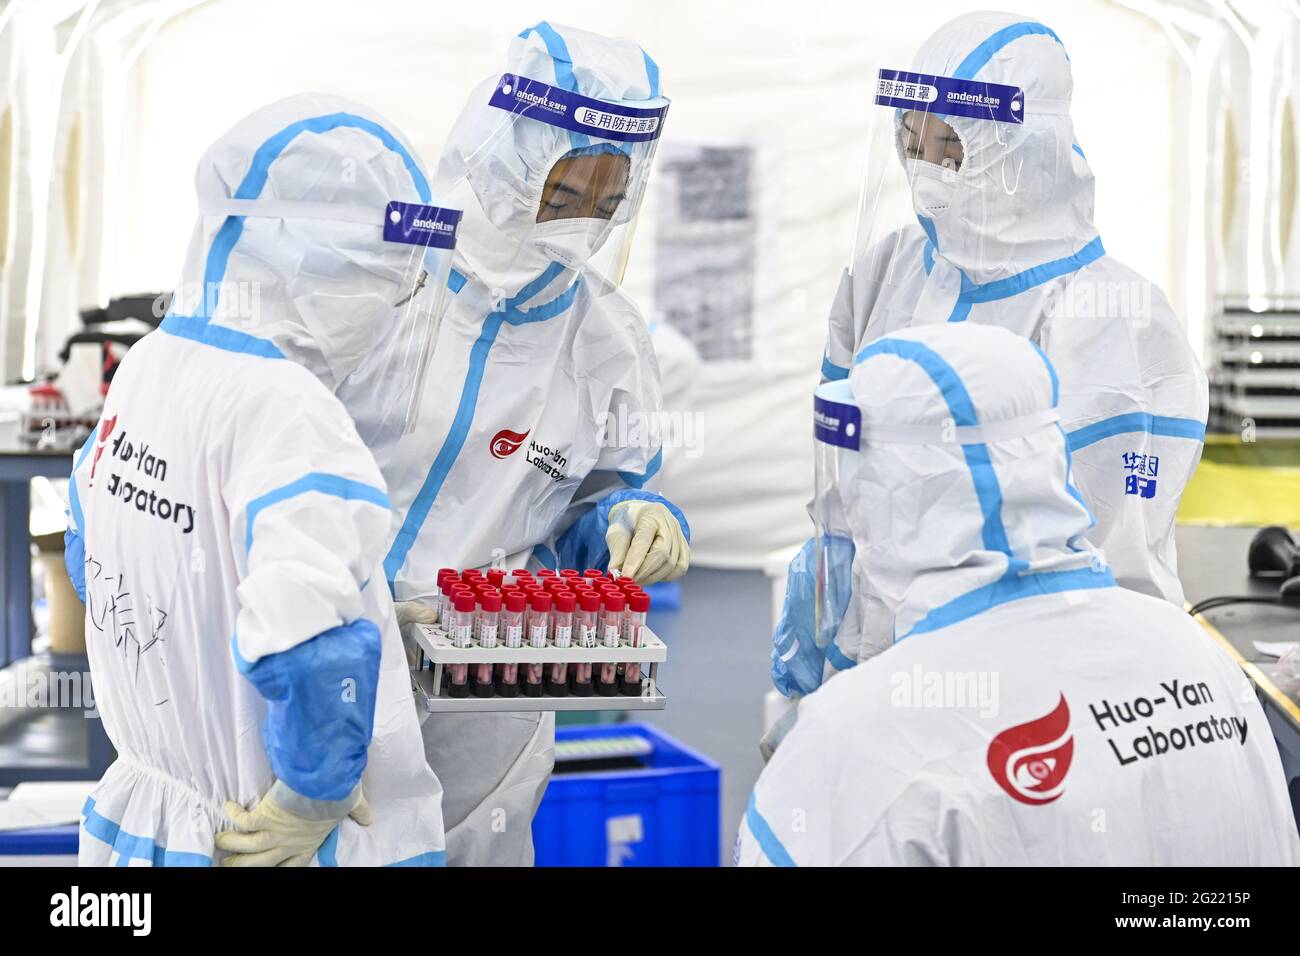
[
  {"x": 286, "y": 828},
  {"x": 646, "y": 543},
  {"x": 413, "y": 612}
]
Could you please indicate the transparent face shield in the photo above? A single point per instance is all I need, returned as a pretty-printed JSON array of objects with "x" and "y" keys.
[
  {"x": 384, "y": 390},
  {"x": 944, "y": 178},
  {"x": 566, "y": 173},
  {"x": 369, "y": 284},
  {"x": 837, "y": 431}
]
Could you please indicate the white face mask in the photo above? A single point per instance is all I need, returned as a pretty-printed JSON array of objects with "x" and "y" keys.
[
  {"x": 933, "y": 187},
  {"x": 344, "y": 327},
  {"x": 570, "y": 242}
]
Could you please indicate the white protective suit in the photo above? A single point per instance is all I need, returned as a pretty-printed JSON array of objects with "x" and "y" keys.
[
  {"x": 227, "y": 524},
  {"x": 1016, "y": 247},
  {"x": 508, "y": 463},
  {"x": 1031, "y": 713}
]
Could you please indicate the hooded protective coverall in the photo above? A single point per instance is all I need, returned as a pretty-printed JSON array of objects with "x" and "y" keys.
[
  {"x": 1010, "y": 241},
  {"x": 1031, "y": 712},
  {"x": 227, "y": 524},
  {"x": 512, "y": 461}
]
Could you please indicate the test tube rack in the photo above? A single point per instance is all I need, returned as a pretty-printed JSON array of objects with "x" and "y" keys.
[{"x": 435, "y": 652}]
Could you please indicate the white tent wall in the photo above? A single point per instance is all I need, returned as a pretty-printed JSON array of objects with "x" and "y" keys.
[
  {"x": 792, "y": 89},
  {"x": 9, "y": 174},
  {"x": 33, "y": 69}
]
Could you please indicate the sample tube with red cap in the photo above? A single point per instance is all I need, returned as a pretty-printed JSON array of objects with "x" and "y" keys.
[
  {"x": 447, "y": 583},
  {"x": 587, "y": 628},
  {"x": 460, "y": 629},
  {"x": 539, "y": 629},
  {"x": 488, "y": 624},
  {"x": 512, "y": 636},
  {"x": 638, "y": 604},
  {"x": 611, "y": 630},
  {"x": 557, "y": 683}
]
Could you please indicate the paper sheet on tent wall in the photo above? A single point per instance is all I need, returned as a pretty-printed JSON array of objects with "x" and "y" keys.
[{"x": 705, "y": 247}]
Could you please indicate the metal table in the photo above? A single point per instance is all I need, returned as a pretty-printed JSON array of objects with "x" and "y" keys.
[
  {"x": 1211, "y": 562},
  {"x": 54, "y": 743},
  {"x": 20, "y": 462}
]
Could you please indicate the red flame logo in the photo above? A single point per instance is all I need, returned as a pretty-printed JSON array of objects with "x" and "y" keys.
[
  {"x": 506, "y": 442},
  {"x": 105, "y": 429},
  {"x": 1030, "y": 761}
]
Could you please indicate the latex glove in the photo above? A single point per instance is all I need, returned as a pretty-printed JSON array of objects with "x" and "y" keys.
[
  {"x": 414, "y": 612},
  {"x": 646, "y": 543},
  {"x": 286, "y": 828}
]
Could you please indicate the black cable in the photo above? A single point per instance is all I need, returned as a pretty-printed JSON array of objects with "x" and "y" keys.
[{"x": 1224, "y": 600}]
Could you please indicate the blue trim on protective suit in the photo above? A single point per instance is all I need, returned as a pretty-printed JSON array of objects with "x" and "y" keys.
[
  {"x": 651, "y": 74},
  {"x": 1051, "y": 374},
  {"x": 432, "y": 858},
  {"x": 798, "y": 662},
  {"x": 838, "y": 659},
  {"x": 198, "y": 329},
  {"x": 972, "y": 293},
  {"x": 511, "y": 314},
  {"x": 130, "y": 847},
  {"x": 1157, "y": 425},
  {"x": 960, "y": 311},
  {"x": 987, "y": 488},
  {"x": 633, "y": 480},
  {"x": 1011, "y": 587},
  {"x": 583, "y": 544},
  {"x": 327, "y": 855},
  {"x": 832, "y": 372},
  {"x": 979, "y": 57},
  {"x": 562, "y": 61},
  {"x": 1047, "y": 271},
  {"x": 928, "y": 227},
  {"x": 74, "y": 500},
  {"x": 317, "y": 481},
  {"x": 74, "y": 545},
  {"x": 767, "y": 841},
  {"x": 320, "y": 708}
]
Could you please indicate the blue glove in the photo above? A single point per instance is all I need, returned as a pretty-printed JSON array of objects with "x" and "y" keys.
[
  {"x": 320, "y": 709},
  {"x": 798, "y": 661}
]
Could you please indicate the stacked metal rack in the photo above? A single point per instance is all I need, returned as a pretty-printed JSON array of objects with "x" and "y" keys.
[{"x": 1255, "y": 379}]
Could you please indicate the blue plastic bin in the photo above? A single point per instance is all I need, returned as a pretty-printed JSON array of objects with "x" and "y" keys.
[
  {"x": 666, "y": 813},
  {"x": 57, "y": 846}
]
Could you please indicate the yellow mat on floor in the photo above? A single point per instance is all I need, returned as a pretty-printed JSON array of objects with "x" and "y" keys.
[{"x": 1244, "y": 484}]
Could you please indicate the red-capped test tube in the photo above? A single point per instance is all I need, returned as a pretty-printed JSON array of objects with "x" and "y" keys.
[
  {"x": 586, "y": 630},
  {"x": 557, "y": 683},
  {"x": 446, "y": 585},
  {"x": 446, "y": 577},
  {"x": 487, "y": 627},
  {"x": 539, "y": 630},
  {"x": 512, "y": 636},
  {"x": 611, "y": 632},
  {"x": 460, "y": 629},
  {"x": 638, "y": 604}
]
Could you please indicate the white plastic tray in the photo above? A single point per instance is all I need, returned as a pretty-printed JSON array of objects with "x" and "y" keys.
[{"x": 437, "y": 649}]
